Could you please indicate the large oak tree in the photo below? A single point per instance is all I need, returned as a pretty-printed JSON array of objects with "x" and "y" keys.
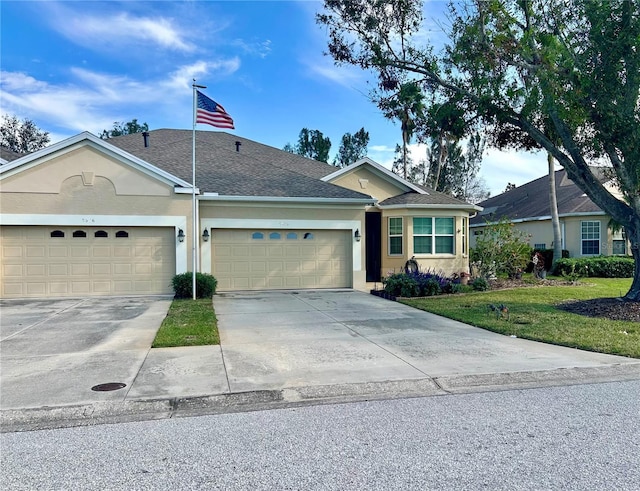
[{"x": 520, "y": 66}]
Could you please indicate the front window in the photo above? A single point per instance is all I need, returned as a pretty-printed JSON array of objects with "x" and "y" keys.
[
  {"x": 433, "y": 235},
  {"x": 395, "y": 236},
  {"x": 590, "y": 238},
  {"x": 619, "y": 242},
  {"x": 465, "y": 225}
]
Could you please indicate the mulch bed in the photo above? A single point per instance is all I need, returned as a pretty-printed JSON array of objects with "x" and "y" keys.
[{"x": 608, "y": 308}]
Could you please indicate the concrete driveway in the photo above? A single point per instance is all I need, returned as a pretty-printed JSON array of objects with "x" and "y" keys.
[
  {"x": 54, "y": 351},
  {"x": 305, "y": 344},
  {"x": 274, "y": 340}
]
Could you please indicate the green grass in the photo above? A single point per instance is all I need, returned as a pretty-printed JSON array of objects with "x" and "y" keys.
[
  {"x": 188, "y": 323},
  {"x": 533, "y": 315}
]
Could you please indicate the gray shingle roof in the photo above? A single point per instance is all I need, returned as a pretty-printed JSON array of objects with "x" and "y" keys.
[
  {"x": 254, "y": 170},
  {"x": 532, "y": 200},
  {"x": 432, "y": 198},
  {"x": 9, "y": 155}
]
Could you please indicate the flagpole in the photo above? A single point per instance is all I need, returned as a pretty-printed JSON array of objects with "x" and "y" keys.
[{"x": 194, "y": 240}]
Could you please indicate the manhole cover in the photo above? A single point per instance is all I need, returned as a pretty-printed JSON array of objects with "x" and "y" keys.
[{"x": 108, "y": 386}]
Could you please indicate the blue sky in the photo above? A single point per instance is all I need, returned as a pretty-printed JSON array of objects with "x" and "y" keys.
[{"x": 81, "y": 66}]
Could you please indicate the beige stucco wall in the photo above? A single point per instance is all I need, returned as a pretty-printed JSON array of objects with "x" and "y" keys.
[
  {"x": 447, "y": 263},
  {"x": 88, "y": 187},
  {"x": 541, "y": 232},
  {"x": 365, "y": 181}
]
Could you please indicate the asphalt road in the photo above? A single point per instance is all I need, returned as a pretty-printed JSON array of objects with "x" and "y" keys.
[{"x": 579, "y": 437}]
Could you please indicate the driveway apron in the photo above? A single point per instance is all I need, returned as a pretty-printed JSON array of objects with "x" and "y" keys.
[
  {"x": 272, "y": 340},
  {"x": 53, "y": 351}
]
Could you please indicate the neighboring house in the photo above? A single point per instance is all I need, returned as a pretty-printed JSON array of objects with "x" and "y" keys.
[
  {"x": 584, "y": 226},
  {"x": 87, "y": 216},
  {"x": 7, "y": 155}
]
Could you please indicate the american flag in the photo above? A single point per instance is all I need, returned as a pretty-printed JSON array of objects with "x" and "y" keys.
[{"x": 210, "y": 112}]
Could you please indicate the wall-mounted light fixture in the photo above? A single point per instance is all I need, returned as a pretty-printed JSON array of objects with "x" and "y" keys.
[
  {"x": 356, "y": 235},
  {"x": 180, "y": 235},
  {"x": 205, "y": 235}
]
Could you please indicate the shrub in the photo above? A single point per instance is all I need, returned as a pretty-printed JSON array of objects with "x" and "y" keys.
[
  {"x": 183, "y": 285},
  {"x": 596, "y": 267},
  {"x": 480, "y": 284},
  {"x": 415, "y": 284},
  {"x": 401, "y": 285},
  {"x": 501, "y": 249}
]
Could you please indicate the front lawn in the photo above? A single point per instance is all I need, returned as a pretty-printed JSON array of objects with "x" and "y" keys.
[
  {"x": 533, "y": 315},
  {"x": 188, "y": 323}
]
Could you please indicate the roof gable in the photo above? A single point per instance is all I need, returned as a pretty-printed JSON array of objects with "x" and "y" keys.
[
  {"x": 84, "y": 140},
  {"x": 382, "y": 172}
]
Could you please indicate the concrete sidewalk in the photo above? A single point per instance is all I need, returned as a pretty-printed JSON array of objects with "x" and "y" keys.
[{"x": 282, "y": 348}]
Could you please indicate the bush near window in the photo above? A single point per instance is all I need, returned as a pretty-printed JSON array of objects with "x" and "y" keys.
[
  {"x": 425, "y": 284},
  {"x": 596, "y": 267},
  {"x": 501, "y": 249},
  {"x": 183, "y": 285}
]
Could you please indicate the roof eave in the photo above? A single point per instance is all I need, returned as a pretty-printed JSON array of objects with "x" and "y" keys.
[
  {"x": 544, "y": 218},
  {"x": 433, "y": 206},
  {"x": 288, "y": 199}
]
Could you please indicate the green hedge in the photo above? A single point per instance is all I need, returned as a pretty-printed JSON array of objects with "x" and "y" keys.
[
  {"x": 596, "y": 267},
  {"x": 183, "y": 285}
]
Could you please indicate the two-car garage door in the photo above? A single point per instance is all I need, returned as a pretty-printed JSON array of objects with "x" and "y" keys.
[
  {"x": 281, "y": 259},
  {"x": 49, "y": 261}
]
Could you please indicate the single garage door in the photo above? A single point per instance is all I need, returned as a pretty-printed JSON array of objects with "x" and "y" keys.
[
  {"x": 281, "y": 259},
  {"x": 39, "y": 261}
]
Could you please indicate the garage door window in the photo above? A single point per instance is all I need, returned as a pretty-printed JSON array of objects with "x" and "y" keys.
[
  {"x": 274, "y": 236},
  {"x": 57, "y": 233},
  {"x": 121, "y": 234},
  {"x": 101, "y": 233},
  {"x": 308, "y": 236},
  {"x": 257, "y": 236},
  {"x": 79, "y": 233},
  {"x": 292, "y": 236}
]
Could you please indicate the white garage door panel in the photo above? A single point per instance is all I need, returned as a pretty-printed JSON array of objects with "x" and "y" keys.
[
  {"x": 35, "y": 264},
  {"x": 282, "y": 259}
]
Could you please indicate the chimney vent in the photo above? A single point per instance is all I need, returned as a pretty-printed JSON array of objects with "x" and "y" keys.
[
  {"x": 238, "y": 146},
  {"x": 145, "y": 135}
]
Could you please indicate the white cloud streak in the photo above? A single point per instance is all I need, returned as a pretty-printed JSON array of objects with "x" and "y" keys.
[
  {"x": 121, "y": 29},
  {"x": 92, "y": 101}
]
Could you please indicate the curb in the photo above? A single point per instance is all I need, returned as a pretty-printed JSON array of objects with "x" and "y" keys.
[{"x": 29, "y": 419}]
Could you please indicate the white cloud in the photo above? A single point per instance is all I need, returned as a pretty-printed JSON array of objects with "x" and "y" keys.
[
  {"x": 260, "y": 49},
  {"x": 183, "y": 77},
  {"x": 502, "y": 167},
  {"x": 346, "y": 76},
  {"x": 93, "y": 101},
  {"x": 120, "y": 29}
]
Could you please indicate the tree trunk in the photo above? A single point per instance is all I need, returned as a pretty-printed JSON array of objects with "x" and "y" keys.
[
  {"x": 555, "y": 219},
  {"x": 633, "y": 233}
]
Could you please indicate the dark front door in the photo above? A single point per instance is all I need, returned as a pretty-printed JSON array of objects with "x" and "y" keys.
[{"x": 373, "y": 245}]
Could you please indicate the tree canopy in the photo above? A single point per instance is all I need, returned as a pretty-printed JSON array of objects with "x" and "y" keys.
[
  {"x": 22, "y": 136},
  {"x": 120, "y": 129},
  {"x": 352, "y": 148},
  {"x": 314, "y": 145},
  {"x": 521, "y": 68},
  {"x": 311, "y": 144}
]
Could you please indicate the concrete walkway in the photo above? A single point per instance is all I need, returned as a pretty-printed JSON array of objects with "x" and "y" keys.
[{"x": 282, "y": 347}]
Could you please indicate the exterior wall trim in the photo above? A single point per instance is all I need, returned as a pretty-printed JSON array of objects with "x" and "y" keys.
[
  {"x": 288, "y": 199},
  {"x": 543, "y": 218}
]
